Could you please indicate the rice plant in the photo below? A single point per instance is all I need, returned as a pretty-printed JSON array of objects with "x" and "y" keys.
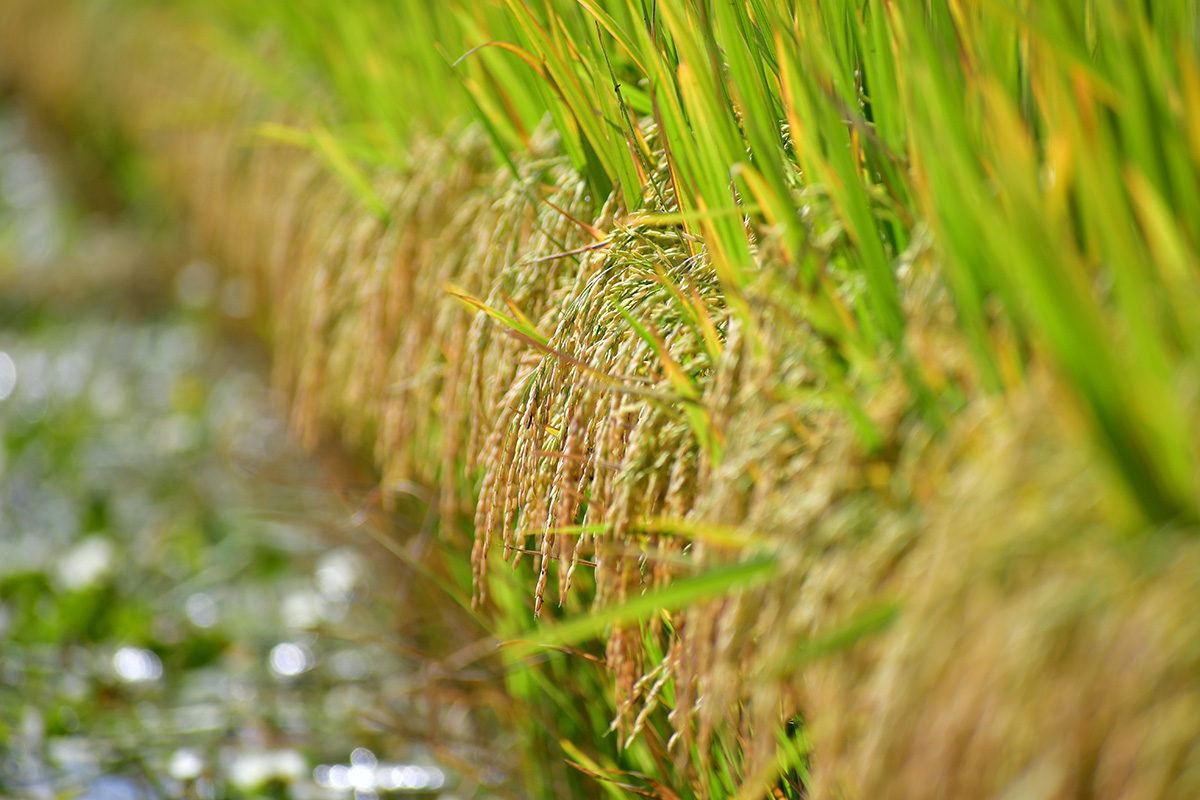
[{"x": 825, "y": 373}]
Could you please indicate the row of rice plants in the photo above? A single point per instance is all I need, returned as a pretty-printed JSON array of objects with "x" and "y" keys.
[{"x": 789, "y": 224}]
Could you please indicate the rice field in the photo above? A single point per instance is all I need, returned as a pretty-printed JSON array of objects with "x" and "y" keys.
[{"x": 808, "y": 390}]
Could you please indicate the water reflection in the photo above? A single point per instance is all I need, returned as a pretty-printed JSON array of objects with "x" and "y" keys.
[
  {"x": 137, "y": 665},
  {"x": 350, "y": 665},
  {"x": 8, "y": 376},
  {"x": 201, "y": 609},
  {"x": 337, "y": 574},
  {"x": 365, "y": 777},
  {"x": 28, "y": 193},
  {"x": 254, "y": 770},
  {"x": 289, "y": 659},
  {"x": 86, "y": 564},
  {"x": 185, "y": 765},
  {"x": 170, "y": 609}
]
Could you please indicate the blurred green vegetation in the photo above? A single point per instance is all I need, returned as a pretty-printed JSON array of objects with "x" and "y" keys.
[{"x": 180, "y": 612}]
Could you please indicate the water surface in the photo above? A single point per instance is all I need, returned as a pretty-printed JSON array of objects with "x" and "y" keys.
[{"x": 186, "y": 608}]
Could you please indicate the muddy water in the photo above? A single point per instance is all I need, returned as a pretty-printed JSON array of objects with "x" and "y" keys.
[{"x": 184, "y": 610}]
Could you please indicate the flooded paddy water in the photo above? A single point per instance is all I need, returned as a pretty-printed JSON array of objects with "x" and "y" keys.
[{"x": 186, "y": 605}]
